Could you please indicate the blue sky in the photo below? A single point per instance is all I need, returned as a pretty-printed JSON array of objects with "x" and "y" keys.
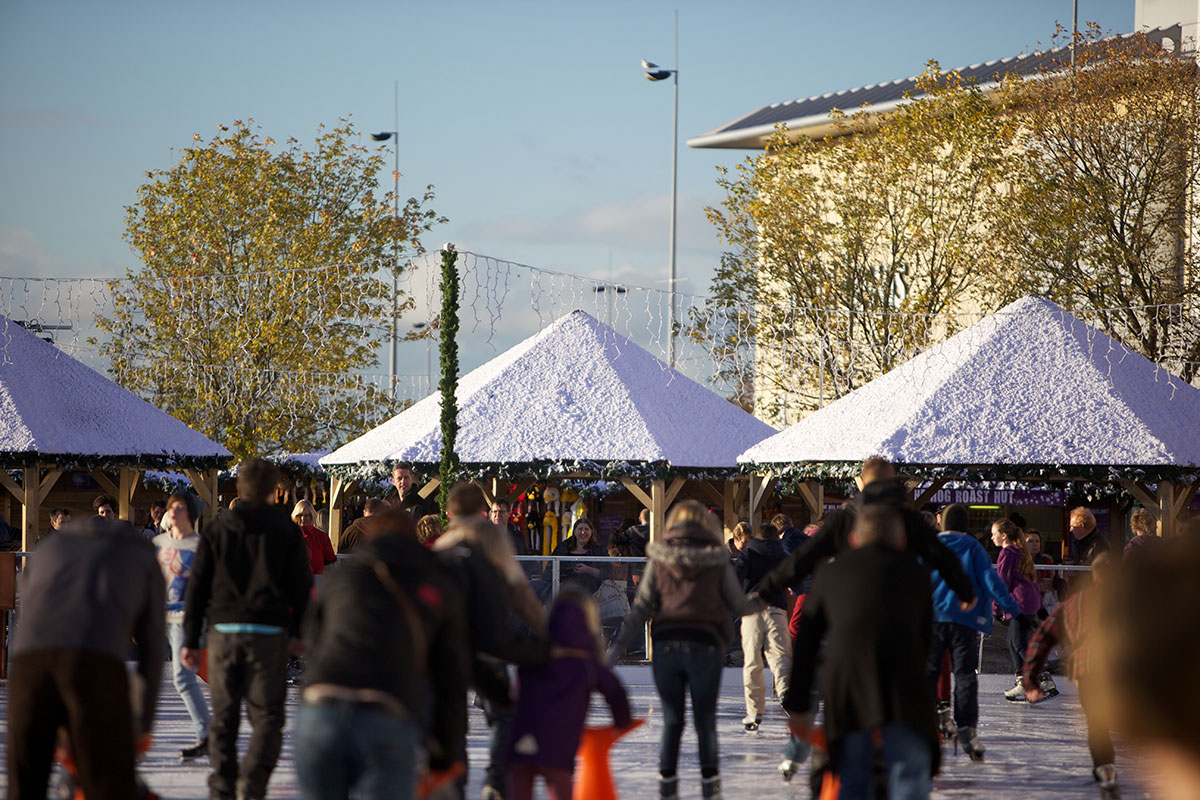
[{"x": 545, "y": 144}]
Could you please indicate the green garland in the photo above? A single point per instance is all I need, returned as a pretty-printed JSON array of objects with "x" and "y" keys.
[{"x": 448, "y": 357}]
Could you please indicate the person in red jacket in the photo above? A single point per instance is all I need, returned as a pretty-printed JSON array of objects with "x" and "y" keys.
[{"x": 320, "y": 550}]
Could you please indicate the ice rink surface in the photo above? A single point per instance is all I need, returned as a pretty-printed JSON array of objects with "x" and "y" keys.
[{"x": 1032, "y": 751}]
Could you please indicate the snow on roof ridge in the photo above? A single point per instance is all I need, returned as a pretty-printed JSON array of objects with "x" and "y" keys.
[
  {"x": 1029, "y": 384},
  {"x": 577, "y": 390},
  {"x": 53, "y": 404}
]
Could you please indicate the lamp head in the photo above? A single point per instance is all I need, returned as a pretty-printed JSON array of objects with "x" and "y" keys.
[{"x": 381, "y": 137}]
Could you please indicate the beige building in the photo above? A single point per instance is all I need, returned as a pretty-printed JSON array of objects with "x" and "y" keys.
[{"x": 781, "y": 395}]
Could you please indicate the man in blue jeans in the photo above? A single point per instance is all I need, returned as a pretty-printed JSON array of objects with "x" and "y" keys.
[
  {"x": 386, "y": 649},
  {"x": 874, "y": 604}
]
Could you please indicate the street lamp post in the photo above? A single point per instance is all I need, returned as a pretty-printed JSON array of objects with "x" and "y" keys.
[
  {"x": 653, "y": 72},
  {"x": 394, "y": 136}
]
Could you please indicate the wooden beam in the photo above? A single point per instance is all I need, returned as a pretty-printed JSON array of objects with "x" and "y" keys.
[
  {"x": 673, "y": 491},
  {"x": 1143, "y": 496},
  {"x": 1183, "y": 498},
  {"x": 13, "y": 487},
  {"x": 107, "y": 485},
  {"x": 714, "y": 494},
  {"x": 658, "y": 507},
  {"x": 430, "y": 487},
  {"x": 934, "y": 487},
  {"x": 48, "y": 482},
  {"x": 813, "y": 494},
  {"x": 637, "y": 492},
  {"x": 521, "y": 488},
  {"x": 129, "y": 480},
  {"x": 729, "y": 506},
  {"x": 206, "y": 485},
  {"x": 337, "y": 496},
  {"x": 30, "y": 507},
  {"x": 760, "y": 489},
  {"x": 491, "y": 489}
]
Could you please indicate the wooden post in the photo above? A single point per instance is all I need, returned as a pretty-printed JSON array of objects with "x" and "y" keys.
[
  {"x": 206, "y": 485},
  {"x": 337, "y": 495},
  {"x": 813, "y": 494},
  {"x": 129, "y": 481},
  {"x": 760, "y": 490},
  {"x": 31, "y": 505}
]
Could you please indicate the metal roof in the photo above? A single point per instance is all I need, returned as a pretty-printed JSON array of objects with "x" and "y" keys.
[{"x": 812, "y": 115}]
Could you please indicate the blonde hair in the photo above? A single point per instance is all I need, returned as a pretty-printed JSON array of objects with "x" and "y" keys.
[
  {"x": 429, "y": 527},
  {"x": 742, "y": 530},
  {"x": 1142, "y": 523},
  {"x": 695, "y": 513},
  {"x": 302, "y": 507},
  {"x": 1084, "y": 518}
]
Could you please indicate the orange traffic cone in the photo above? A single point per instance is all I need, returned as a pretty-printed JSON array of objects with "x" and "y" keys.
[{"x": 594, "y": 779}]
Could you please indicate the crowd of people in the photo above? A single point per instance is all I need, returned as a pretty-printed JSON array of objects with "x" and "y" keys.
[{"x": 862, "y": 620}]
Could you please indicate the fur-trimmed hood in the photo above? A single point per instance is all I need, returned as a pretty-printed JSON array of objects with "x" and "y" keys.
[{"x": 687, "y": 550}]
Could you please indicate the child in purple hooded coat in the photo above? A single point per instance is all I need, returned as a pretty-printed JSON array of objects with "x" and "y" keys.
[{"x": 553, "y": 700}]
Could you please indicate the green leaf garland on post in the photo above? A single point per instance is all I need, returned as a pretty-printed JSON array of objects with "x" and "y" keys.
[{"x": 448, "y": 356}]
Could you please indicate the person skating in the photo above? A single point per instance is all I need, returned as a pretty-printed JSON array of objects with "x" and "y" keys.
[
  {"x": 691, "y": 592},
  {"x": 766, "y": 630},
  {"x": 86, "y": 593},
  {"x": 1073, "y": 624},
  {"x": 251, "y": 582},
  {"x": 505, "y": 621},
  {"x": 873, "y": 604},
  {"x": 547, "y": 723},
  {"x": 1015, "y": 567},
  {"x": 957, "y": 631},
  {"x": 176, "y": 555},
  {"x": 385, "y": 644}
]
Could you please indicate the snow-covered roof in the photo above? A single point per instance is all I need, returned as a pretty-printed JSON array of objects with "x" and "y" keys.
[
  {"x": 575, "y": 392},
  {"x": 1028, "y": 385},
  {"x": 54, "y": 408}
]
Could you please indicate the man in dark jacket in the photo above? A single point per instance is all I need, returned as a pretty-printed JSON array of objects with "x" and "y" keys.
[
  {"x": 85, "y": 594},
  {"x": 766, "y": 630},
  {"x": 873, "y": 603},
  {"x": 635, "y": 537},
  {"x": 388, "y": 623},
  {"x": 251, "y": 581},
  {"x": 498, "y": 602},
  {"x": 406, "y": 495},
  {"x": 879, "y": 486}
]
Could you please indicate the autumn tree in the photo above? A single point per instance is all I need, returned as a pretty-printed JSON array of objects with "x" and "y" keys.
[
  {"x": 1103, "y": 213},
  {"x": 265, "y": 288},
  {"x": 848, "y": 253}
]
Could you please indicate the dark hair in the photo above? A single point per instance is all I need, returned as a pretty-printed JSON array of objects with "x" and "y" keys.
[
  {"x": 500, "y": 501},
  {"x": 188, "y": 503},
  {"x": 766, "y": 531},
  {"x": 104, "y": 500},
  {"x": 159, "y": 503},
  {"x": 400, "y": 465},
  {"x": 392, "y": 521},
  {"x": 956, "y": 517},
  {"x": 782, "y": 521},
  {"x": 374, "y": 505},
  {"x": 59, "y": 512},
  {"x": 256, "y": 479},
  {"x": 465, "y": 500},
  {"x": 1018, "y": 520}
]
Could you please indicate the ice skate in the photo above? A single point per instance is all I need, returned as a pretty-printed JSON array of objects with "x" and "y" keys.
[
  {"x": 1017, "y": 693},
  {"x": 710, "y": 788},
  {"x": 969, "y": 740},
  {"x": 668, "y": 788},
  {"x": 1046, "y": 684},
  {"x": 946, "y": 722},
  {"x": 752, "y": 725},
  {"x": 195, "y": 751},
  {"x": 788, "y": 768},
  {"x": 1106, "y": 776},
  {"x": 489, "y": 792}
]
